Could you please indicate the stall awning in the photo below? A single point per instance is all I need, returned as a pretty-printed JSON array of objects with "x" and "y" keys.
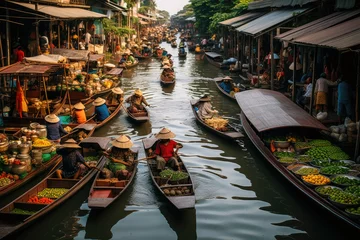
[
  {"x": 247, "y": 16},
  {"x": 146, "y": 17},
  {"x": 76, "y": 55},
  {"x": 269, "y": 21},
  {"x": 318, "y": 25},
  {"x": 50, "y": 58},
  {"x": 143, "y": 22},
  {"x": 22, "y": 68},
  {"x": 62, "y": 12},
  {"x": 277, "y": 3},
  {"x": 342, "y": 36},
  {"x": 115, "y": 7}
]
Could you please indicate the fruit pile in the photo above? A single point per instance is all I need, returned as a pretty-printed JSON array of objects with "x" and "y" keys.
[
  {"x": 327, "y": 190},
  {"x": 284, "y": 154},
  {"x": 346, "y": 181},
  {"x": 42, "y": 143},
  {"x": 331, "y": 170},
  {"x": 340, "y": 155},
  {"x": 354, "y": 210},
  {"x": 307, "y": 171},
  {"x": 37, "y": 200},
  {"x": 5, "y": 181},
  {"x": 316, "y": 179},
  {"x": 52, "y": 192},
  {"x": 177, "y": 191},
  {"x": 344, "y": 198},
  {"x": 319, "y": 143},
  {"x": 317, "y": 153},
  {"x": 22, "y": 211},
  {"x": 355, "y": 190}
]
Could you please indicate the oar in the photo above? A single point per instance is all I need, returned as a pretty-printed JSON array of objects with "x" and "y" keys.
[
  {"x": 55, "y": 166},
  {"x": 146, "y": 158},
  {"x": 115, "y": 160}
]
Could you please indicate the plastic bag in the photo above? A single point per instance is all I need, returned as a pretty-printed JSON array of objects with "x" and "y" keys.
[
  {"x": 347, "y": 121},
  {"x": 342, "y": 128},
  {"x": 321, "y": 116},
  {"x": 335, "y": 135},
  {"x": 334, "y": 129}
]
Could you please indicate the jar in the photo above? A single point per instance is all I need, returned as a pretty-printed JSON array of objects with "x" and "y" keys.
[
  {"x": 37, "y": 157},
  {"x": 13, "y": 147},
  {"x": 34, "y": 125},
  {"x": 27, "y": 159},
  {"x": 24, "y": 148},
  {"x": 42, "y": 131},
  {"x": 18, "y": 169},
  {"x": 34, "y": 137}
]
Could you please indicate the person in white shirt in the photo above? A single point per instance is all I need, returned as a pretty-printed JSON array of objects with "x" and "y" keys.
[
  {"x": 87, "y": 40},
  {"x": 205, "y": 108}
]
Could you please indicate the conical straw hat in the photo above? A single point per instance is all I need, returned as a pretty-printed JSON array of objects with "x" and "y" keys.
[
  {"x": 205, "y": 98},
  {"x": 117, "y": 90},
  {"x": 165, "y": 133},
  {"x": 138, "y": 92},
  {"x": 122, "y": 142},
  {"x": 71, "y": 143},
  {"x": 52, "y": 118},
  {"x": 99, "y": 101},
  {"x": 79, "y": 106},
  {"x": 227, "y": 78}
]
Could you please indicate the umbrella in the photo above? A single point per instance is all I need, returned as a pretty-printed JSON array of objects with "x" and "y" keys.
[
  {"x": 269, "y": 56},
  {"x": 298, "y": 66}
]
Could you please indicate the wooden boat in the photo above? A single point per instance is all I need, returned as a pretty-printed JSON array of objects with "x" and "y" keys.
[
  {"x": 230, "y": 134},
  {"x": 140, "y": 57},
  {"x": 11, "y": 222},
  {"x": 218, "y": 81},
  {"x": 128, "y": 66},
  {"x": 265, "y": 110},
  {"x": 174, "y": 45},
  {"x": 81, "y": 131},
  {"x": 180, "y": 202},
  {"x": 167, "y": 80},
  {"x": 216, "y": 60},
  {"x": 103, "y": 193},
  {"x": 182, "y": 55},
  {"x": 140, "y": 116}
]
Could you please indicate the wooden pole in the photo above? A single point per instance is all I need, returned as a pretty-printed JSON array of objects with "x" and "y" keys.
[
  {"x": 357, "y": 147},
  {"x": 50, "y": 36},
  {"x": 68, "y": 36},
  {"x": 78, "y": 33},
  {"x": 1, "y": 53},
  {"x": 272, "y": 61},
  {"x": 251, "y": 55},
  {"x": 7, "y": 38},
  {"x": 59, "y": 35},
  {"x": 313, "y": 82},
  {"x": 46, "y": 97},
  {"x": 294, "y": 75}
]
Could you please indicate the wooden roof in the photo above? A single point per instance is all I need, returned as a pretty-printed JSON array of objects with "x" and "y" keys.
[
  {"x": 115, "y": 71},
  {"x": 213, "y": 55},
  {"x": 266, "y": 110},
  {"x": 96, "y": 142},
  {"x": 26, "y": 68}
]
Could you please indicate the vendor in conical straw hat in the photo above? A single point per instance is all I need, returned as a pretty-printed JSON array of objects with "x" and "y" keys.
[
  {"x": 136, "y": 101},
  {"x": 116, "y": 96},
  {"x": 205, "y": 108},
  {"x": 164, "y": 151},
  {"x": 101, "y": 110},
  {"x": 54, "y": 128},
  {"x": 73, "y": 163},
  {"x": 168, "y": 71},
  {"x": 120, "y": 149},
  {"x": 226, "y": 84},
  {"x": 79, "y": 113}
]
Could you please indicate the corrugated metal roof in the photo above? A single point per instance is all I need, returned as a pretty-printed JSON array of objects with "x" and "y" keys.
[
  {"x": 266, "y": 110},
  {"x": 246, "y": 16},
  {"x": 22, "y": 68},
  {"x": 268, "y": 21},
  {"x": 317, "y": 25},
  {"x": 341, "y": 36},
  {"x": 62, "y": 12},
  {"x": 213, "y": 54},
  {"x": 277, "y": 3}
]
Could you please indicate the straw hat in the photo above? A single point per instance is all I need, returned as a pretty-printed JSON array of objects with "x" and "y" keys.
[
  {"x": 138, "y": 92},
  {"x": 117, "y": 90},
  {"x": 122, "y": 142},
  {"x": 144, "y": 39},
  {"x": 135, "y": 46},
  {"x": 52, "y": 118},
  {"x": 165, "y": 133},
  {"x": 99, "y": 101},
  {"x": 79, "y": 106},
  {"x": 205, "y": 98},
  {"x": 127, "y": 51},
  {"x": 71, "y": 143},
  {"x": 227, "y": 78},
  {"x": 166, "y": 67}
]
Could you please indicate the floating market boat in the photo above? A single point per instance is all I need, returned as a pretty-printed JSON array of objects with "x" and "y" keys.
[
  {"x": 165, "y": 81},
  {"x": 23, "y": 211},
  {"x": 215, "y": 59},
  {"x": 129, "y": 65},
  {"x": 182, "y": 55},
  {"x": 104, "y": 192},
  {"x": 218, "y": 81},
  {"x": 139, "y": 117},
  {"x": 141, "y": 57},
  {"x": 174, "y": 45},
  {"x": 230, "y": 132},
  {"x": 179, "y": 200},
  {"x": 266, "y": 113}
]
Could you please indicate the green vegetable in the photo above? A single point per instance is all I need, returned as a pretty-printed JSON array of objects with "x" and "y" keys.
[
  {"x": 330, "y": 170},
  {"x": 302, "y": 145},
  {"x": 319, "y": 143},
  {"x": 344, "y": 198},
  {"x": 307, "y": 171},
  {"x": 5, "y": 181},
  {"x": 116, "y": 167},
  {"x": 173, "y": 175},
  {"x": 304, "y": 158},
  {"x": 326, "y": 163},
  {"x": 327, "y": 190},
  {"x": 287, "y": 160},
  {"x": 353, "y": 210},
  {"x": 22, "y": 211},
  {"x": 355, "y": 190},
  {"x": 339, "y": 156},
  {"x": 345, "y": 181},
  {"x": 52, "y": 192},
  {"x": 91, "y": 158},
  {"x": 284, "y": 154}
]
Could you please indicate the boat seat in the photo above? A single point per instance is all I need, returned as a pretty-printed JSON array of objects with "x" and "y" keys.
[
  {"x": 139, "y": 114},
  {"x": 101, "y": 193},
  {"x": 107, "y": 187}
]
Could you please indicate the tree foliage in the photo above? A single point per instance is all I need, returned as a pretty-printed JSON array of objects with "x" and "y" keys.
[{"x": 110, "y": 27}]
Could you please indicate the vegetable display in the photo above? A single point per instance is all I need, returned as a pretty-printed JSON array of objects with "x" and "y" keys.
[
  {"x": 302, "y": 145},
  {"x": 284, "y": 154},
  {"x": 353, "y": 210},
  {"x": 91, "y": 158},
  {"x": 339, "y": 156},
  {"x": 307, "y": 171},
  {"x": 316, "y": 179},
  {"x": 177, "y": 191},
  {"x": 344, "y": 198},
  {"x": 5, "y": 181},
  {"x": 22, "y": 211},
  {"x": 287, "y": 160},
  {"x": 217, "y": 123},
  {"x": 319, "y": 143},
  {"x": 52, "y": 192},
  {"x": 327, "y": 190},
  {"x": 345, "y": 181},
  {"x": 173, "y": 175},
  {"x": 304, "y": 158},
  {"x": 37, "y": 200},
  {"x": 355, "y": 190},
  {"x": 331, "y": 170},
  {"x": 326, "y": 163}
]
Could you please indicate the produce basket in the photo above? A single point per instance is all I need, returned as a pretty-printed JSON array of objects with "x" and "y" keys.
[
  {"x": 4, "y": 147},
  {"x": 301, "y": 171},
  {"x": 352, "y": 215},
  {"x": 343, "y": 184},
  {"x": 286, "y": 161},
  {"x": 315, "y": 185},
  {"x": 345, "y": 169},
  {"x": 301, "y": 149},
  {"x": 304, "y": 159},
  {"x": 318, "y": 189},
  {"x": 342, "y": 205}
]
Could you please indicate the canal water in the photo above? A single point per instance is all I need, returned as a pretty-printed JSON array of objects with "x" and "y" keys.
[{"x": 238, "y": 194}]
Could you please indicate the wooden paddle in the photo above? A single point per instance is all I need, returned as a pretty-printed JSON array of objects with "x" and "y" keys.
[
  {"x": 55, "y": 166},
  {"x": 146, "y": 158},
  {"x": 116, "y": 160}
]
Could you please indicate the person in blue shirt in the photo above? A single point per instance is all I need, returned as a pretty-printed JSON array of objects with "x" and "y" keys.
[
  {"x": 344, "y": 99},
  {"x": 101, "y": 110},
  {"x": 226, "y": 84},
  {"x": 54, "y": 128}
]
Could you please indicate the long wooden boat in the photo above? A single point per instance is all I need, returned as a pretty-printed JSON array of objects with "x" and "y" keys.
[
  {"x": 166, "y": 80},
  {"x": 180, "y": 202},
  {"x": 218, "y": 82},
  {"x": 231, "y": 133},
  {"x": 104, "y": 193},
  {"x": 140, "y": 57},
  {"x": 182, "y": 55},
  {"x": 216, "y": 60},
  {"x": 128, "y": 66},
  {"x": 11, "y": 222},
  {"x": 174, "y": 45},
  {"x": 265, "y": 110},
  {"x": 80, "y": 132},
  {"x": 139, "y": 117}
]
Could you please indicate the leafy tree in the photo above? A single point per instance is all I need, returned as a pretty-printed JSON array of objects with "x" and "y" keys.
[{"x": 110, "y": 27}]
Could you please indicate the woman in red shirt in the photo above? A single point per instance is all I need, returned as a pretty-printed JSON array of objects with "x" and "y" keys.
[{"x": 164, "y": 152}]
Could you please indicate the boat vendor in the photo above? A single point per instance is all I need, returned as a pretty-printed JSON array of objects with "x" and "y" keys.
[
  {"x": 121, "y": 149},
  {"x": 124, "y": 58},
  {"x": 79, "y": 113},
  {"x": 197, "y": 48},
  {"x": 169, "y": 58},
  {"x": 101, "y": 110},
  {"x": 321, "y": 90},
  {"x": 205, "y": 108},
  {"x": 168, "y": 72},
  {"x": 136, "y": 101},
  {"x": 164, "y": 151},
  {"x": 182, "y": 46},
  {"x": 227, "y": 85},
  {"x": 116, "y": 97},
  {"x": 73, "y": 163},
  {"x": 131, "y": 58},
  {"x": 54, "y": 128}
]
